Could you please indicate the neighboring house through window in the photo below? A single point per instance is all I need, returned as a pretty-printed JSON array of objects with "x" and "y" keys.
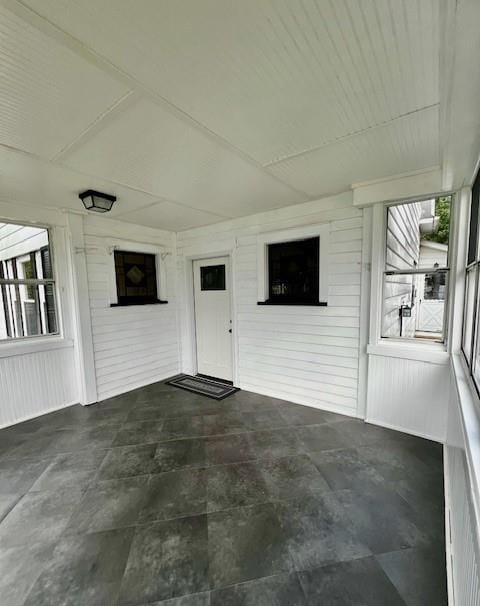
[
  {"x": 416, "y": 269},
  {"x": 27, "y": 285}
]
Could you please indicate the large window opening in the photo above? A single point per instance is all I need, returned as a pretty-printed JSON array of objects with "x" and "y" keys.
[
  {"x": 27, "y": 285},
  {"x": 471, "y": 317},
  {"x": 415, "y": 278}
]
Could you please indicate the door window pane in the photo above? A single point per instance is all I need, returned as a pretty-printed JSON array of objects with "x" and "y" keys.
[{"x": 212, "y": 277}]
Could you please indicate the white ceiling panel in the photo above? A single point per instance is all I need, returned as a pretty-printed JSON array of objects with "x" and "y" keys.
[
  {"x": 48, "y": 95},
  {"x": 149, "y": 149},
  {"x": 408, "y": 144},
  {"x": 29, "y": 180},
  {"x": 273, "y": 78},
  {"x": 168, "y": 215}
]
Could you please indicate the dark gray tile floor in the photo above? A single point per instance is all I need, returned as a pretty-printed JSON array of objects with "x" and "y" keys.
[{"x": 160, "y": 496}]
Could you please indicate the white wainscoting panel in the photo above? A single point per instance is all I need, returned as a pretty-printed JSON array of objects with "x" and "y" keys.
[
  {"x": 34, "y": 384},
  {"x": 462, "y": 509},
  {"x": 408, "y": 395}
]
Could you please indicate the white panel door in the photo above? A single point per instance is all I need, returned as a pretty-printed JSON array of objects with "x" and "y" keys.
[{"x": 211, "y": 279}]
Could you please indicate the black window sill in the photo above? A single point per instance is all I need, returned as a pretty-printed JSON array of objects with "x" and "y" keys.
[
  {"x": 294, "y": 303},
  {"x": 158, "y": 302}
]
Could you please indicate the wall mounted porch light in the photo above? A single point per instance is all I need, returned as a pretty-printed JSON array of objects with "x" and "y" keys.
[{"x": 96, "y": 201}]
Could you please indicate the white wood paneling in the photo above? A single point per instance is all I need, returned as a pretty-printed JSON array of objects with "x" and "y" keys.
[
  {"x": 408, "y": 395},
  {"x": 272, "y": 78},
  {"x": 404, "y": 145},
  {"x": 308, "y": 355},
  {"x": 173, "y": 160},
  {"x": 37, "y": 383},
  {"x": 463, "y": 512},
  {"x": 41, "y": 185},
  {"x": 135, "y": 345},
  {"x": 42, "y": 83}
]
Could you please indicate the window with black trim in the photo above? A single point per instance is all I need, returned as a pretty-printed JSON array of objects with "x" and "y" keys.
[
  {"x": 416, "y": 271},
  {"x": 471, "y": 316},
  {"x": 293, "y": 272},
  {"x": 27, "y": 284},
  {"x": 136, "y": 278},
  {"x": 212, "y": 277}
]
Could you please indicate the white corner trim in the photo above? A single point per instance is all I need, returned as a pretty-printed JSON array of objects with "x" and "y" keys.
[
  {"x": 32, "y": 345},
  {"x": 289, "y": 235},
  {"x": 407, "y": 351},
  {"x": 139, "y": 247}
]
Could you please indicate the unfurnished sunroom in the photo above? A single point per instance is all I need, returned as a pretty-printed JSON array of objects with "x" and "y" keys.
[{"x": 239, "y": 317}]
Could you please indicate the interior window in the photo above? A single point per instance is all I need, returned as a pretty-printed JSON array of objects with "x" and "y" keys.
[
  {"x": 212, "y": 277},
  {"x": 27, "y": 285},
  {"x": 293, "y": 272},
  {"x": 416, "y": 269},
  {"x": 136, "y": 278},
  {"x": 471, "y": 317}
]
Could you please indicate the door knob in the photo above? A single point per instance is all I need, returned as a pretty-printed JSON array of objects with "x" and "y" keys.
[{"x": 230, "y": 330}]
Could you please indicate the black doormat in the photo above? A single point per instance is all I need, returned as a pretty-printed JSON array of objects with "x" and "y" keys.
[{"x": 206, "y": 387}]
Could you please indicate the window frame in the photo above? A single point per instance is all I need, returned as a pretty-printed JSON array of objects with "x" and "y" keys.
[
  {"x": 414, "y": 271},
  {"x": 13, "y": 341},
  {"x": 472, "y": 265},
  {"x": 291, "y": 235},
  {"x": 160, "y": 254}
]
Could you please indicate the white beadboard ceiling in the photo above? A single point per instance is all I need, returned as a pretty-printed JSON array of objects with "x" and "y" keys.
[{"x": 193, "y": 112}]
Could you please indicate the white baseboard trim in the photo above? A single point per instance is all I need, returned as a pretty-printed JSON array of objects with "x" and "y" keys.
[{"x": 412, "y": 432}]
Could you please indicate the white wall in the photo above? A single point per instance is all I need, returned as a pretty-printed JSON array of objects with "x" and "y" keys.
[
  {"x": 40, "y": 375},
  {"x": 135, "y": 345},
  {"x": 408, "y": 394},
  {"x": 461, "y": 490},
  {"x": 128, "y": 346},
  {"x": 308, "y": 355},
  {"x": 32, "y": 384}
]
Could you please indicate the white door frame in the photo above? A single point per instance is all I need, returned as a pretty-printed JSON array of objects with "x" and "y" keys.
[{"x": 189, "y": 260}]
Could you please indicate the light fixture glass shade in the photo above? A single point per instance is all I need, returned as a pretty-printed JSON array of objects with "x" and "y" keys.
[{"x": 97, "y": 201}]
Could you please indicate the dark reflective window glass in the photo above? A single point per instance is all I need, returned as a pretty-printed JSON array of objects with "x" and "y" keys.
[
  {"x": 212, "y": 277},
  {"x": 293, "y": 269},
  {"x": 474, "y": 216},
  {"x": 136, "y": 278}
]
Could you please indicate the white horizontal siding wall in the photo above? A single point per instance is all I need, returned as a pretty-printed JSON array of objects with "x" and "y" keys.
[
  {"x": 308, "y": 355},
  {"x": 402, "y": 252},
  {"x": 135, "y": 345},
  {"x": 37, "y": 383}
]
